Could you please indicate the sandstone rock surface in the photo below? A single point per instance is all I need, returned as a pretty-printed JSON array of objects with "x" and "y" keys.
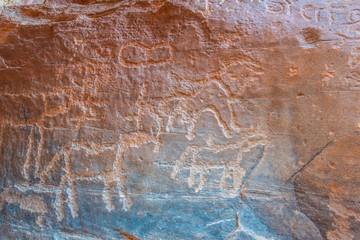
[{"x": 170, "y": 119}]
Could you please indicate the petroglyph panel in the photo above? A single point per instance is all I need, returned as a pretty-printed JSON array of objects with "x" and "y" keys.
[{"x": 214, "y": 119}]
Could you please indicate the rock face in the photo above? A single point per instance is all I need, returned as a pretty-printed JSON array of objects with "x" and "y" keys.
[{"x": 213, "y": 119}]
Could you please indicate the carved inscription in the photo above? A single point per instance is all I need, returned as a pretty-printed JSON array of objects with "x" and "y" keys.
[{"x": 135, "y": 54}]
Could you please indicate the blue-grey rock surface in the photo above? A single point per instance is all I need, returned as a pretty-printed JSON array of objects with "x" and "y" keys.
[{"x": 180, "y": 119}]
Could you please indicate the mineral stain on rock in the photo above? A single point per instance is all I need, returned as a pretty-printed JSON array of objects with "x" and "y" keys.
[
  {"x": 179, "y": 119},
  {"x": 311, "y": 35}
]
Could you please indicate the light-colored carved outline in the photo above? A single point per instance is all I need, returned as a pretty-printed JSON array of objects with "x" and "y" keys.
[{"x": 148, "y": 50}]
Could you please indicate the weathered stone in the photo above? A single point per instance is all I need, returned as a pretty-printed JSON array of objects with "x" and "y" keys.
[{"x": 168, "y": 119}]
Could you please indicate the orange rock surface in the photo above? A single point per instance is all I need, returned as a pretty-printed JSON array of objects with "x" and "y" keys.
[{"x": 169, "y": 119}]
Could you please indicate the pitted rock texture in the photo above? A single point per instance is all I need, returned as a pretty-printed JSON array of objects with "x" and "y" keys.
[{"x": 213, "y": 119}]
